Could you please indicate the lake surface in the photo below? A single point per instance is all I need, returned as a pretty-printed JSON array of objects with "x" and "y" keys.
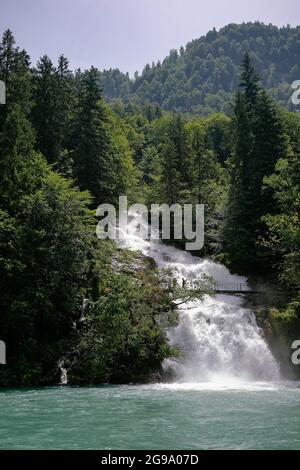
[{"x": 178, "y": 416}]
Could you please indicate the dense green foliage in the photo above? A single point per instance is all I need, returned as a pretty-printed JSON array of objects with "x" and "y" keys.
[
  {"x": 202, "y": 77},
  {"x": 260, "y": 143},
  {"x": 64, "y": 150},
  {"x": 121, "y": 339},
  {"x": 49, "y": 252}
]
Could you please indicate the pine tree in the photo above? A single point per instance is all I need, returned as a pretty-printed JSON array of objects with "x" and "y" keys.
[
  {"x": 270, "y": 144},
  {"x": 16, "y": 153},
  {"x": 176, "y": 162},
  {"x": 238, "y": 234},
  {"x": 95, "y": 167},
  {"x": 260, "y": 142},
  {"x": 249, "y": 81},
  {"x": 64, "y": 104},
  {"x": 52, "y": 113},
  {"x": 179, "y": 136},
  {"x": 170, "y": 176},
  {"x": 16, "y": 74},
  {"x": 43, "y": 113},
  {"x": 208, "y": 183}
]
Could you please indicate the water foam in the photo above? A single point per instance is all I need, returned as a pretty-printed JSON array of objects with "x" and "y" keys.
[{"x": 220, "y": 340}]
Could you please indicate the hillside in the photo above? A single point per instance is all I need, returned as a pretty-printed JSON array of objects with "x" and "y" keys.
[{"x": 201, "y": 77}]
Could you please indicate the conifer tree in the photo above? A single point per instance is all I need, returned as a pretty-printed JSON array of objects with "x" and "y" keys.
[
  {"x": 94, "y": 164},
  {"x": 16, "y": 152},
  {"x": 43, "y": 113},
  {"x": 260, "y": 142},
  {"x": 176, "y": 163},
  {"x": 249, "y": 82},
  {"x": 16, "y": 74},
  {"x": 63, "y": 114}
]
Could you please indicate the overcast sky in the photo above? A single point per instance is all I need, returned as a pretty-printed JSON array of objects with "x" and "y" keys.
[{"x": 128, "y": 33}]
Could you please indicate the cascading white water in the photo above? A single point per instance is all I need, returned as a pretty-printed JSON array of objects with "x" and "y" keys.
[
  {"x": 63, "y": 373},
  {"x": 218, "y": 336}
]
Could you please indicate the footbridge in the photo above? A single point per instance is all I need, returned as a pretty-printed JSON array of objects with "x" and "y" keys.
[
  {"x": 243, "y": 288},
  {"x": 236, "y": 288}
]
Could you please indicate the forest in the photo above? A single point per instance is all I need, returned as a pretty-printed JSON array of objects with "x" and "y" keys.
[
  {"x": 202, "y": 77},
  {"x": 70, "y": 140}
]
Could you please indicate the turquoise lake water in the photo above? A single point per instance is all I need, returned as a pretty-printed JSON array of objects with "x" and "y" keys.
[{"x": 250, "y": 416}]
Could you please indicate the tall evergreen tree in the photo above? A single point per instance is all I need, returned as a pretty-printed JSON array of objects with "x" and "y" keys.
[
  {"x": 97, "y": 167},
  {"x": 238, "y": 234},
  {"x": 208, "y": 183},
  {"x": 64, "y": 105},
  {"x": 16, "y": 151},
  {"x": 170, "y": 176},
  {"x": 249, "y": 81},
  {"x": 176, "y": 163},
  {"x": 179, "y": 136},
  {"x": 260, "y": 142},
  {"x": 44, "y": 111},
  {"x": 16, "y": 74},
  {"x": 53, "y": 110}
]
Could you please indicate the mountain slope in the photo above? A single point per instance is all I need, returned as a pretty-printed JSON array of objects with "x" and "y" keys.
[{"x": 201, "y": 77}]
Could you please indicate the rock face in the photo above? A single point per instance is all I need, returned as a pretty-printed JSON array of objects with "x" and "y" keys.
[
  {"x": 131, "y": 262},
  {"x": 279, "y": 332}
]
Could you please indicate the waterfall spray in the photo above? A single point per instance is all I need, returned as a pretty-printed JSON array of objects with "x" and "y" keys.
[{"x": 218, "y": 336}]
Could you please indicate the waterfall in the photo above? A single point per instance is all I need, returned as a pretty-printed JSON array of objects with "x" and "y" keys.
[
  {"x": 63, "y": 373},
  {"x": 218, "y": 336}
]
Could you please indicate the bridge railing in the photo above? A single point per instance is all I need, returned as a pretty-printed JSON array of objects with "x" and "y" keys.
[
  {"x": 233, "y": 287},
  {"x": 229, "y": 287}
]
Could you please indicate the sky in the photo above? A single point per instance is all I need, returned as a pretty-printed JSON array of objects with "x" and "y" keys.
[{"x": 128, "y": 33}]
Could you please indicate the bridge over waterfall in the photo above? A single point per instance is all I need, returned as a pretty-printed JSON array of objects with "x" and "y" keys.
[
  {"x": 227, "y": 288},
  {"x": 243, "y": 288},
  {"x": 236, "y": 288}
]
